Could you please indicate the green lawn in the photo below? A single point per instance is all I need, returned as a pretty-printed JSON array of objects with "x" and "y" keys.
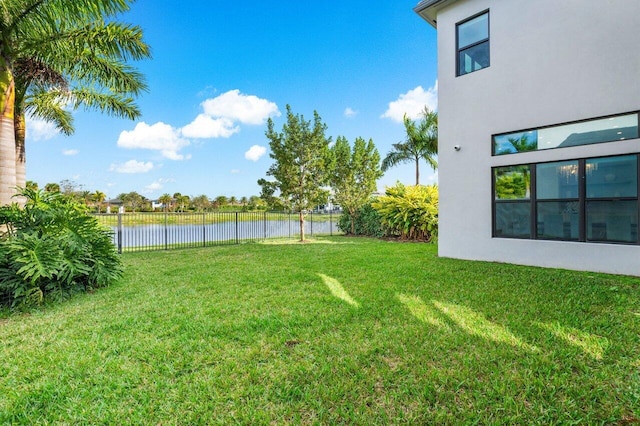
[{"x": 343, "y": 331}]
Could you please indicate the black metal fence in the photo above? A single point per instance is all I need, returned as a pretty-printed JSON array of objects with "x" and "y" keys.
[{"x": 165, "y": 231}]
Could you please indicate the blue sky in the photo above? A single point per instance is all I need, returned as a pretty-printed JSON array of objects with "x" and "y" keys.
[{"x": 221, "y": 68}]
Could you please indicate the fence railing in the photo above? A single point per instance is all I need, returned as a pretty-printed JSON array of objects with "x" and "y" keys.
[{"x": 165, "y": 231}]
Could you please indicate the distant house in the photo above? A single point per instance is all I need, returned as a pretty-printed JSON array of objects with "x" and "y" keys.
[{"x": 538, "y": 131}]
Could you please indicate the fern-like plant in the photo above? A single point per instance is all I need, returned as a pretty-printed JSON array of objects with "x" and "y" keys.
[
  {"x": 52, "y": 248},
  {"x": 410, "y": 212}
]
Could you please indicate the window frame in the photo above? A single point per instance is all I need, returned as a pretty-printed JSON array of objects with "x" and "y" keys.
[
  {"x": 582, "y": 201},
  {"x": 552, "y": 126},
  {"x": 475, "y": 44}
]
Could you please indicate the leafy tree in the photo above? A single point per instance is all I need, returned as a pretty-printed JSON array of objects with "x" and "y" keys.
[
  {"x": 52, "y": 187},
  {"x": 57, "y": 54},
  {"x": 421, "y": 143},
  {"x": 301, "y": 154},
  {"x": 31, "y": 185},
  {"x": 233, "y": 200},
  {"x": 201, "y": 203},
  {"x": 132, "y": 201},
  {"x": 220, "y": 201},
  {"x": 354, "y": 174}
]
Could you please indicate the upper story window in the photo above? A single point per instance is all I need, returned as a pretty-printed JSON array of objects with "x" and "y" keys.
[
  {"x": 597, "y": 130},
  {"x": 472, "y": 36}
]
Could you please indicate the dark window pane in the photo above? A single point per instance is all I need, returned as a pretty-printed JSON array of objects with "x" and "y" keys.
[
  {"x": 513, "y": 219},
  {"x": 558, "y": 220},
  {"x": 515, "y": 142},
  {"x": 615, "y": 221},
  {"x": 557, "y": 180},
  {"x": 612, "y": 177},
  {"x": 512, "y": 183},
  {"x": 473, "y": 31},
  {"x": 473, "y": 58}
]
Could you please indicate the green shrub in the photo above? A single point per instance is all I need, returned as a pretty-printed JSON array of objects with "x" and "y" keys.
[
  {"x": 410, "y": 212},
  {"x": 367, "y": 222},
  {"x": 52, "y": 248}
]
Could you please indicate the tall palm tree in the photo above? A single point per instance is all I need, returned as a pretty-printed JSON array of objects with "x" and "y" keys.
[
  {"x": 166, "y": 200},
  {"x": 99, "y": 197},
  {"x": 58, "y": 54},
  {"x": 421, "y": 143}
]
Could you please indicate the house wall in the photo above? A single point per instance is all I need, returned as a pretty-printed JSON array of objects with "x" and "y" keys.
[{"x": 551, "y": 62}]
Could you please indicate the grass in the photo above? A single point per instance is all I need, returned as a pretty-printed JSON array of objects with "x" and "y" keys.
[{"x": 351, "y": 331}]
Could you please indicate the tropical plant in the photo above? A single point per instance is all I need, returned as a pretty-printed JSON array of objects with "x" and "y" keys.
[
  {"x": 410, "y": 212},
  {"x": 52, "y": 187},
  {"x": 52, "y": 248},
  {"x": 300, "y": 172},
  {"x": 59, "y": 54},
  {"x": 354, "y": 174},
  {"x": 421, "y": 144}
]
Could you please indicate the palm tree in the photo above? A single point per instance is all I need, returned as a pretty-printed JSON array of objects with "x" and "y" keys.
[
  {"x": 421, "y": 143},
  {"x": 98, "y": 198},
  {"x": 58, "y": 54},
  {"x": 166, "y": 200}
]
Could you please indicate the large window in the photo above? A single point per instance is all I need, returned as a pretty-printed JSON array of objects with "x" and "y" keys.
[
  {"x": 594, "y": 199},
  {"x": 472, "y": 38},
  {"x": 598, "y": 130}
]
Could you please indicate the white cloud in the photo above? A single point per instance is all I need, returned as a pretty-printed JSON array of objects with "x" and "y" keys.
[
  {"x": 40, "y": 130},
  {"x": 255, "y": 152},
  {"x": 159, "y": 137},
  {"x": 70, "y": 152},
  {"x": 131, "y": 166},
  {"x": 204, "y": 127},
  {"x": 156, "y": 186},
  {"x": 235, "y": 106},
  {"x": 235, "y": 171},
  {"x": 412, "y": 103},
  {"x": 348, "y": 112}
]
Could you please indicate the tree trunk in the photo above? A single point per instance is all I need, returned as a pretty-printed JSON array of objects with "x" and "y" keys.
[
  {"x": 301, "y": 216},
  {"x": 21, "y": 159},
  {"x": 417, "y": 171},
  {"x": 7, "y": 134},
  {"x": 20, "y": 128}
]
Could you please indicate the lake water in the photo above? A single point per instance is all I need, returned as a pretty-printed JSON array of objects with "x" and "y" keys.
[{"x": 215, "y": 233}]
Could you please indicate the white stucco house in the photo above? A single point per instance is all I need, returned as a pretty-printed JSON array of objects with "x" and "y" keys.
[{"x": 539, "y": 148}]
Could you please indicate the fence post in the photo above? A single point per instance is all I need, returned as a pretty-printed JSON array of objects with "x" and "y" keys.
[
  {"x": 119, "y": 233},
  {"x": 289, "y": 224},
  {"x": 265, "y": 225},
  {"x": 166, "y": 231},
  {"x": 237, "y": 240},
  {"x": 204, "y": 229},
  {"x": 311, "y": 221},
  {"x": 331, "y": 222}
]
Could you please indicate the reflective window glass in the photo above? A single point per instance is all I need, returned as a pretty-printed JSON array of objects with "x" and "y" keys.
[
  {"x": 473, "y": 31},
  {"x": 615, "y": 221},
  {"x": 513, "y": 219},
  {"x": 474, "y": 58},
  {"x": 612, "y": 177},
  {"x": 557, "y": 180},
  {"x": 512, "y": 183},
  {"x": 515, "y": 142},
  {"x": 610, "y": 129},
  {"x": 558, "y": 220}
]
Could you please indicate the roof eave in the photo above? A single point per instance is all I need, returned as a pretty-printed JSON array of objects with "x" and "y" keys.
[{"x": 428, "y": 10}]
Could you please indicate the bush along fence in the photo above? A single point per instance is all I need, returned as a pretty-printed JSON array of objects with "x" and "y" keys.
[{"x": 165, "y": 231}]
